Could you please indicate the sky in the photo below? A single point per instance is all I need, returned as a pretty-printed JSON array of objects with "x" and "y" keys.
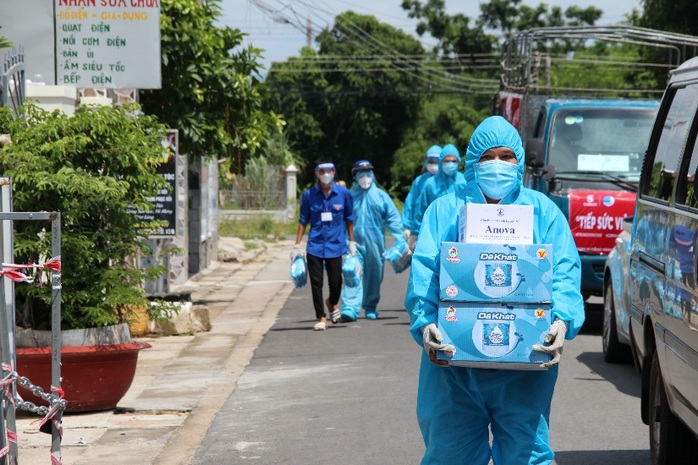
[{"x": 280, "y": 29}]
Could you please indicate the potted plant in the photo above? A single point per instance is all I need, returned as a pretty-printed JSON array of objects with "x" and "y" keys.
[{"x": 96, "y": 167}]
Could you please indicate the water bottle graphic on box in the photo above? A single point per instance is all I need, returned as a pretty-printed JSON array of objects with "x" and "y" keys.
[
  {"x": 496, "y": 335},
  {"x": 499, "y": 272}
]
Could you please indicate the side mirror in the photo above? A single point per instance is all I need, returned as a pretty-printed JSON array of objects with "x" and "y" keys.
[{"x": 535, "y": 153}]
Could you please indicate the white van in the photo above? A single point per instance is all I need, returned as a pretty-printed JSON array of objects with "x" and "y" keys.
[{"x": 662, "y": 284}]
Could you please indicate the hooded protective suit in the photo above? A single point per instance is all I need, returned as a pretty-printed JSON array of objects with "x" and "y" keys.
[
  {"x": 410, "y": 205},
  {"x": 374, "y": 212},
  {"x": 436, "y": 186},
  {"x": 455, "y": 405}
]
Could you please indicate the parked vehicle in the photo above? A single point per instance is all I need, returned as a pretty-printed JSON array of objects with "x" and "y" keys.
[
  {"x": 616, "y": 340},
  {"x": 584, "y": 153},
  {"x": 662, "y": 287}
]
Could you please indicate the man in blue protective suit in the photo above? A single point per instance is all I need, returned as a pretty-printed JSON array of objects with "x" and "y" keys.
[
  {"x": 374, "y": 212},
  {"x": 448, "y": 179},
  {"x": 456, "y": 405},
  {"x": 431, "y": 167}
]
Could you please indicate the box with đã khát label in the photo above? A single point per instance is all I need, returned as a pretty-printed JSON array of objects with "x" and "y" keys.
[
  {"x": 494, "y": 335},
  {"x": 496, "y": 273}
]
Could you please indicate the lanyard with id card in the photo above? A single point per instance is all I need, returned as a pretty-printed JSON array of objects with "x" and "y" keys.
[{"x": 325, "y": 216}]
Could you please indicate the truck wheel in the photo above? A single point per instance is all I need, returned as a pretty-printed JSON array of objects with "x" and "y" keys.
[
  {"x": 671, "y": 442},
  {"x": 614, "y": 351}
]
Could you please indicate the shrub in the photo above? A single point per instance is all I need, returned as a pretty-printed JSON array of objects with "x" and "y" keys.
[{"x": 94, "y": 168}]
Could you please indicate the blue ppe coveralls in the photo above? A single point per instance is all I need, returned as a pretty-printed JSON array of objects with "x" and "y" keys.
[
  {"x": 436, "y": 186},
  {"x": 410, "y": 204},
  {"x": 455, "y": 405},
  {"x": 374, "y": 212},
  {"x": 327, "y": 238}
]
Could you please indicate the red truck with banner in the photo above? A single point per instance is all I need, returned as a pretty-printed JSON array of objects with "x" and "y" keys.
[{"x": 584, "y": 147}]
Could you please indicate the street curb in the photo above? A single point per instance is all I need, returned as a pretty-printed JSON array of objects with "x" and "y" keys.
[{"x": 183, "y": 444}]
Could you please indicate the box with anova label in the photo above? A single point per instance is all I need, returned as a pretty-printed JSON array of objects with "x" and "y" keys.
[
  {"x": 496, "y": 335},
  {"x": 495, "y": 272},
  {"x": 495, "y": 224}
]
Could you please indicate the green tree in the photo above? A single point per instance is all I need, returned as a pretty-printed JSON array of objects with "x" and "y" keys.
[
  {"x": 455, "y": 34},
  {"x": 210, "y": 86},
  {"x": 299, "y": 89},
  {"x": 498, "y": 18},
  {"x": 344, "y": 105},
  {"x": 442, "y": 120},
  {"x": 94, "y": 168},
  {"x": 675, "y": 15},
  {"x": 510, "y": 16}
]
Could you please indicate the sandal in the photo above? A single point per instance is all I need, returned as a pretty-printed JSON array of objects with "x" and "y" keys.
[
  {"x": 320, "y": 326},
  {"x": 335, "y": 316}
]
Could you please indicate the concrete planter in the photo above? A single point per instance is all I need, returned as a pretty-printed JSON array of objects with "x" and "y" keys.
[{"x": 95, "y": 376}]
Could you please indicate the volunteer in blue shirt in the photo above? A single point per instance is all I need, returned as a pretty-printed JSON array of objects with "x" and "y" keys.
[
  {"x": 431, "y": 167},
  {"x": 457, "y": 407},
  {"x": 329, "y": 209}
]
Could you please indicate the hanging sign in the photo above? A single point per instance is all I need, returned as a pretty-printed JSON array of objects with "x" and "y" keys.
[{"x": 108, "y": 44}]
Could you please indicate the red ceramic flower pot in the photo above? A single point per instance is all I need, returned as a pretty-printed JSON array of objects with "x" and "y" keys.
[{"x": 94, "y": 377}]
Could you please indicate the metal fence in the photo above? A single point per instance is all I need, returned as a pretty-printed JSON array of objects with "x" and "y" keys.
[
  {"x": 12, "y": 80},
  {"x": 262, "y": 188}
]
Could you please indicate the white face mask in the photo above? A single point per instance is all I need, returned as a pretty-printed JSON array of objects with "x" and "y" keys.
[
  {"x": 326, "y": 178},
  {"x": 433, "y": 168},
  {"x": 365, "y": 182}
]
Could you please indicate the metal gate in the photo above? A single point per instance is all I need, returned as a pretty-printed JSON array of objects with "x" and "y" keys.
[{"x": 12, "y": 80}]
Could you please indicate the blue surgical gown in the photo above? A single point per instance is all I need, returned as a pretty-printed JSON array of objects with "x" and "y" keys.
[
  {"x": 374, "y": 212},
  {"x": 455, "y": 405}
]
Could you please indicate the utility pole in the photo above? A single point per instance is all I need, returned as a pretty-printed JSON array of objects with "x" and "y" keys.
[{"x": 309, "y": 32}]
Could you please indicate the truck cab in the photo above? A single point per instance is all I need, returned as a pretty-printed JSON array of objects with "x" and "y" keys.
[
  {"x": 584, "y": 107},
  {"x": 586, "y": 156}
]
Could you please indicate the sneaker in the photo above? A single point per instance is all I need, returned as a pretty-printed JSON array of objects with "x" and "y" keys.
[
  {"x": 372, "y": 315},
  {"x": 347, "y": 318}
]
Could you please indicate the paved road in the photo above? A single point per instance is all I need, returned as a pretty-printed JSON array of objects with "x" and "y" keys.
[{"x": 346, "y": 396}]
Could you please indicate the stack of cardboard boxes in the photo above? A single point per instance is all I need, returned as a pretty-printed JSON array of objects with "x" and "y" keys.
[{"x": 495, "y": 290}]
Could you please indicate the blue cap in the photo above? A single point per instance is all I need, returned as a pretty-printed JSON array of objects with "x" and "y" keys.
[{"x": 361, "y": 165}]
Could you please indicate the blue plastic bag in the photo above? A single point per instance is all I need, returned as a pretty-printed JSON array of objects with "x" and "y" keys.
[
  {"x": 352, "y": 270},
  {"x": 299, "y": 271},
  {"x": 399, "y": 256}
]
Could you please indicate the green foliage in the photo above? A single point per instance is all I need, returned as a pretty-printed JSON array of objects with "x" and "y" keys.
[
  {"x": 259, "y": 187},
  {"x": 210, "y": 93},
  {"x": 670, "y": 15},
  {"x": 349, "y": 108},
  {"x": 258, "y": 227},
  {"x": 93, "y": 168},
  {"x": 498, "y": 18},
  {"x": 162, "y": 311},
  {"x": 443, "y": 120},
  {"x": 454, "y": 33},
  {"x": 5, "y": 43}
]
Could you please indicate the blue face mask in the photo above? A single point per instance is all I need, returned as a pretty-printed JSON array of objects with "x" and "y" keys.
[
  {"x": 449, "y": 168},
  {"x": 496, "y": 178}
]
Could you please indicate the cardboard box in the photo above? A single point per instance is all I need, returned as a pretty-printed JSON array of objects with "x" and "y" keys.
[
  {"x": 495, "y": 335},
  {"x": 495, "y": 273},
  {"x": 495, "y": 224}
]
